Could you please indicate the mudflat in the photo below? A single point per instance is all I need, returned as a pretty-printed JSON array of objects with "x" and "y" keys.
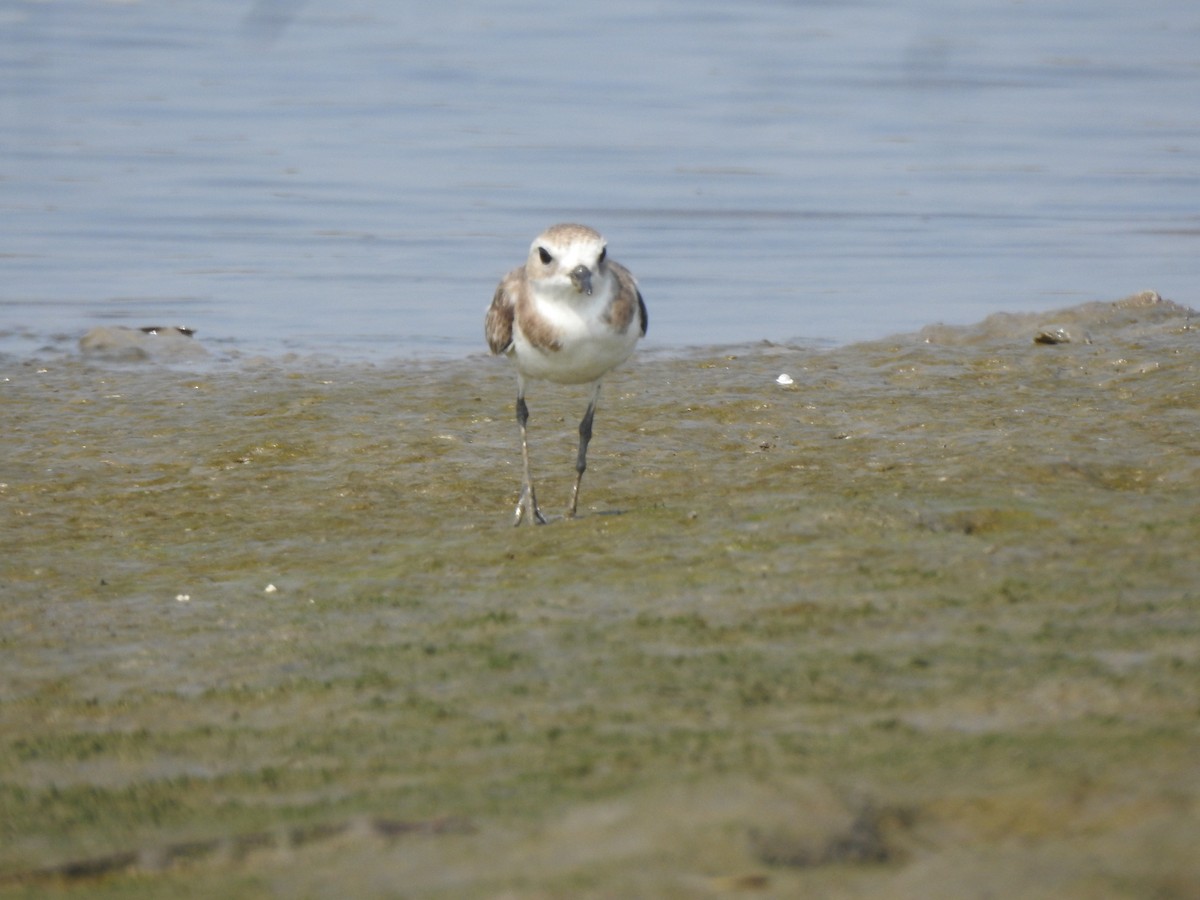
[{"x": 923, "y": 622}]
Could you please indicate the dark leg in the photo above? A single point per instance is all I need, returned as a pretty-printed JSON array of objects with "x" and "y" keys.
[
  {"x": 585, "y": 437},
  {"x": 528, "y": 500}
]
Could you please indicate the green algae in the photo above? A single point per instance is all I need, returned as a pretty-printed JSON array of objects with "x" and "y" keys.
[{"x": 924, "y": 621}]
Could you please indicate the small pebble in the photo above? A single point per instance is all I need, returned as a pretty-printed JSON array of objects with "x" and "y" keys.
[{"x": 785, "y": 378}]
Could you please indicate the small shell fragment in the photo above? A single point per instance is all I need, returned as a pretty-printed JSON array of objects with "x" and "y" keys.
[
  {"x": 1060, "y": 334},
  {"x": 785, "y": 379}
]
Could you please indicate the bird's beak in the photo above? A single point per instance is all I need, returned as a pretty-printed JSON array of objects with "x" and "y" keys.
[{"x": 581, "y": 277}]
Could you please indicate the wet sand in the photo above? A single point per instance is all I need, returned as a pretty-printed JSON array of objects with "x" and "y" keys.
[{"x": 923, "y": 623}]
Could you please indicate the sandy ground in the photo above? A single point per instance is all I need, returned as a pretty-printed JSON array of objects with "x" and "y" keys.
[{"x": 923, "y": 623}]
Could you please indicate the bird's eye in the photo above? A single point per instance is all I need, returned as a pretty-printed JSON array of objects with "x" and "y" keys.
[
  {"x": 603, "y": 253},
  {"x": 545, "y": 255}
]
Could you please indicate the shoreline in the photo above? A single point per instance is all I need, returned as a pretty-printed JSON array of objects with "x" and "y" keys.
[{"x": 122, "y": 344}]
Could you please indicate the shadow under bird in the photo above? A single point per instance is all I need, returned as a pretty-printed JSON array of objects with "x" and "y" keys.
[{"x": 568, "y": 315}]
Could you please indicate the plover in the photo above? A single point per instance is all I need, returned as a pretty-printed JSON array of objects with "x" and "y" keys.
[{"x": 569, "y": 315}]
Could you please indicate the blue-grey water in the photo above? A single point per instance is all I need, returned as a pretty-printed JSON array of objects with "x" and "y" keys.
[{"x": 353, "y": 178}]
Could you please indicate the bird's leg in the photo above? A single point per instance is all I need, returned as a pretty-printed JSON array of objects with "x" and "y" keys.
[
  {"x": 528, "y": 500},
  {"x": 585, "y": 435}
]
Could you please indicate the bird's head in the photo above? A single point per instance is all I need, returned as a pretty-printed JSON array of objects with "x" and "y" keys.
[{"x": 565, "y": 256}]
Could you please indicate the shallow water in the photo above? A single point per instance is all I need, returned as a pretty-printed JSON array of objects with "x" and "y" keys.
[{"x": 353, "y": 181}]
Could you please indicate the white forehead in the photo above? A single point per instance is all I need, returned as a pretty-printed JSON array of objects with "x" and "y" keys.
[{"x": 570, "y": 242}]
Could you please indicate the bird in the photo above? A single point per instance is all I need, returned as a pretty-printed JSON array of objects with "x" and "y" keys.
[{"x": 569, "y": 315}]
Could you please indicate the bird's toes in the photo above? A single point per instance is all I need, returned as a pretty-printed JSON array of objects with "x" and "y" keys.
[{"x": 528, "y": 505}]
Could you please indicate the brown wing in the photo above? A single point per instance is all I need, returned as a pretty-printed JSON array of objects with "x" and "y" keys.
[
  {"x": 628, "y": 302},
  {"x": 498, "y": 325}
]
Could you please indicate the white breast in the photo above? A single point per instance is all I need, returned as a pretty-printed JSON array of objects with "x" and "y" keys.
[{"x": 589, "y": 345}]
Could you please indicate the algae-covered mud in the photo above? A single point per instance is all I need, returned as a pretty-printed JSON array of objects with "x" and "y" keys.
[{"x": 924, "y": 622}]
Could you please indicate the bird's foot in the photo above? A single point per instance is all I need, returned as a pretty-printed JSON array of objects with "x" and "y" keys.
[{"x": 528, "y": 503}]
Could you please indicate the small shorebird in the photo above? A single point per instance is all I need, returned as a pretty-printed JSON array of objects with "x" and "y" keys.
[{"x": 569, "y": 315}]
